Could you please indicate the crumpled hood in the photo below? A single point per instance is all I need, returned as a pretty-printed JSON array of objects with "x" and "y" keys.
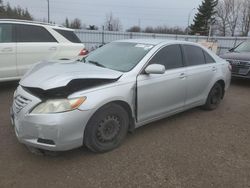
[
  {"x": 54, "y": 74},
  {"x": 244, "y": 56}
]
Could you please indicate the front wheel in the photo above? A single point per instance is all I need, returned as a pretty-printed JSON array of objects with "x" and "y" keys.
[
  {"x": 107, "y": 128},
  {"x": 214, "y": 97}
]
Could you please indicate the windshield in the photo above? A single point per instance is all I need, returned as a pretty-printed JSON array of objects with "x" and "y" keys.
[
  {"x": 243, "y": 47},
  {"x": 120, "y": 56}
]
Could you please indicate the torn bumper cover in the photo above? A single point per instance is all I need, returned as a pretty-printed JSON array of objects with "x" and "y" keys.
[{"x": 54, "y": 132}]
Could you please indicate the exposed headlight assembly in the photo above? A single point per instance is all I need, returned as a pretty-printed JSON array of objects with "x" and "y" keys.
[{"x": 58, "y": 105}]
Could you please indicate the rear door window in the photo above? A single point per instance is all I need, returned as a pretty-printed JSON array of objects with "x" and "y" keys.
[
  {"x": 6, "y": 33},
  {"x": 169, "y": 56},
  {"x": 194, "y": 55},
  {"x": 208, "y": 58},
  {"x": 69, "y": 35},
  {"x": 31, "y": 33}
]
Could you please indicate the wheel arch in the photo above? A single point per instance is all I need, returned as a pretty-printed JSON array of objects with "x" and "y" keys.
[
  {"x": 125, "y": 105},
  {"x": 223, "y": 84}
]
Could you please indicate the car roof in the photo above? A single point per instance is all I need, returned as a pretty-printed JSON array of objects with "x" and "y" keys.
[
  {"x": 156, "y": 41},
  {"x": 29, "y": 22}
]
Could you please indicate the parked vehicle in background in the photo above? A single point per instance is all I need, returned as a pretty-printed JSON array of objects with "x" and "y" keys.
[
  {"x": 118, "y": 87},
  {"x": 239, "y": 58},
  {"x": 23, "y": 43}
]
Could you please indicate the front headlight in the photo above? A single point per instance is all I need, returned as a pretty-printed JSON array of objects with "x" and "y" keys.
[{"x": 58, "y": 105}]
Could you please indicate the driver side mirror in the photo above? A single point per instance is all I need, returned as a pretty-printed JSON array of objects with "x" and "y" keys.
[{"x": 155, "y": 69}]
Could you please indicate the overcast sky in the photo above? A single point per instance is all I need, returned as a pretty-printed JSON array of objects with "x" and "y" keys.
[{"x": 130, "y": 12}]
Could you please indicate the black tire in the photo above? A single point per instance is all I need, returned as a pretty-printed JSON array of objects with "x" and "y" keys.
[
  {"x": 214, "y": 97},
  {"x": 107, "y": 128}
]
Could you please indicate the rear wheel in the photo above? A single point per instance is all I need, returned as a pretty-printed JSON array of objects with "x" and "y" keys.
[
  {"x": 214, "y": 97},
  {"x": 107, "y": 128}
]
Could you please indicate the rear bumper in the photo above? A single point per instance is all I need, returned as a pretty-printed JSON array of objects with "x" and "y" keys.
[{"x": 241, "y": 76}]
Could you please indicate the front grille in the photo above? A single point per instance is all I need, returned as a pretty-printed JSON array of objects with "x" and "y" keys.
[
  {"x": 239, "y": 67},
  {"x": 45, "y": 141},
  {"x": 20, "y": 102},
  {"x": 239, "y": 63}
]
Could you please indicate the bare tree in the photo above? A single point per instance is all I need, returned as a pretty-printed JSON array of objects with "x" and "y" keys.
[
  {"x": 222, "y": 12},
  {"x": 112, "y": 24},
  {"x": 228, "y": 16},
  {"x": 234, "y": 7},
  {"x": 134, "y": 29},
  {"x": 76, "y": 24},
  {"x": 244, "y": 24},
  {"x": 149, "y": 29},
  {"x": 164, "y": 30}
]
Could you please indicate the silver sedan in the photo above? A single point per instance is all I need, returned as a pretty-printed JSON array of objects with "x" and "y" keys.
[{"x": 121, "y": 86}]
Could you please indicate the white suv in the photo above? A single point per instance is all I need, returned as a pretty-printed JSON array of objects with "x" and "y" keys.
[{"x": 23, "y": 43}]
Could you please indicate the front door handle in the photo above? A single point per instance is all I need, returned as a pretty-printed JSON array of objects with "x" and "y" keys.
[
  {"x": 182, "y": 76},
  {"x": 53, "y": 48},
  {"x": 8, "y": 49},
  {"x": 214, "y": 69}
]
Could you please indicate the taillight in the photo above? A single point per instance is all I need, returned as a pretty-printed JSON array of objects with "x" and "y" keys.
[
  {"x": 83, "y": 52},
  {"x": 230, "y": 67}
]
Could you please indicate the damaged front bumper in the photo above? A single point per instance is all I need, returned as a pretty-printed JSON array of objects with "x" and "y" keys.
[{"x": 54, "y": 132}]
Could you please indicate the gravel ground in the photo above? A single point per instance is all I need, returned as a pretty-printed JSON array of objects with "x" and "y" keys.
[{"x": 192, "y": 149}]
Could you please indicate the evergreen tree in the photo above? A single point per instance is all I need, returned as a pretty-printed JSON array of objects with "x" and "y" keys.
[
  {"x": 14, "y": 13},
  {"x": 27, "y": 15},
  {"x": 204, "y": 18},
  {"x": 1, "y": 6},
  {"x": 66, "y": 24},
  {"x": 2, "y": 10},
  {"x": 8, "y": 11}
]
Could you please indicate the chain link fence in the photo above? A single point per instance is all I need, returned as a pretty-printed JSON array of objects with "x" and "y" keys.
[{"x": 93, "y": 39}]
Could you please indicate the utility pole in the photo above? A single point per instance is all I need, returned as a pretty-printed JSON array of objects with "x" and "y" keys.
[{"x": 48, "y": 12}]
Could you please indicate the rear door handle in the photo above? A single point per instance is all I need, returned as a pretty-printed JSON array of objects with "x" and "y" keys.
[
  {"x": 53, "y": 48},
  {"x": 8, "y": 49},
  {"x": 182, "y": 76},
  {"x": 214, "y": 69}
]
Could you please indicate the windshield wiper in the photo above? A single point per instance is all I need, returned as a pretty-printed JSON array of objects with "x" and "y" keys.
[
  {"x": 96, "y": 63},
  {"x": 235, "y": 51}
]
